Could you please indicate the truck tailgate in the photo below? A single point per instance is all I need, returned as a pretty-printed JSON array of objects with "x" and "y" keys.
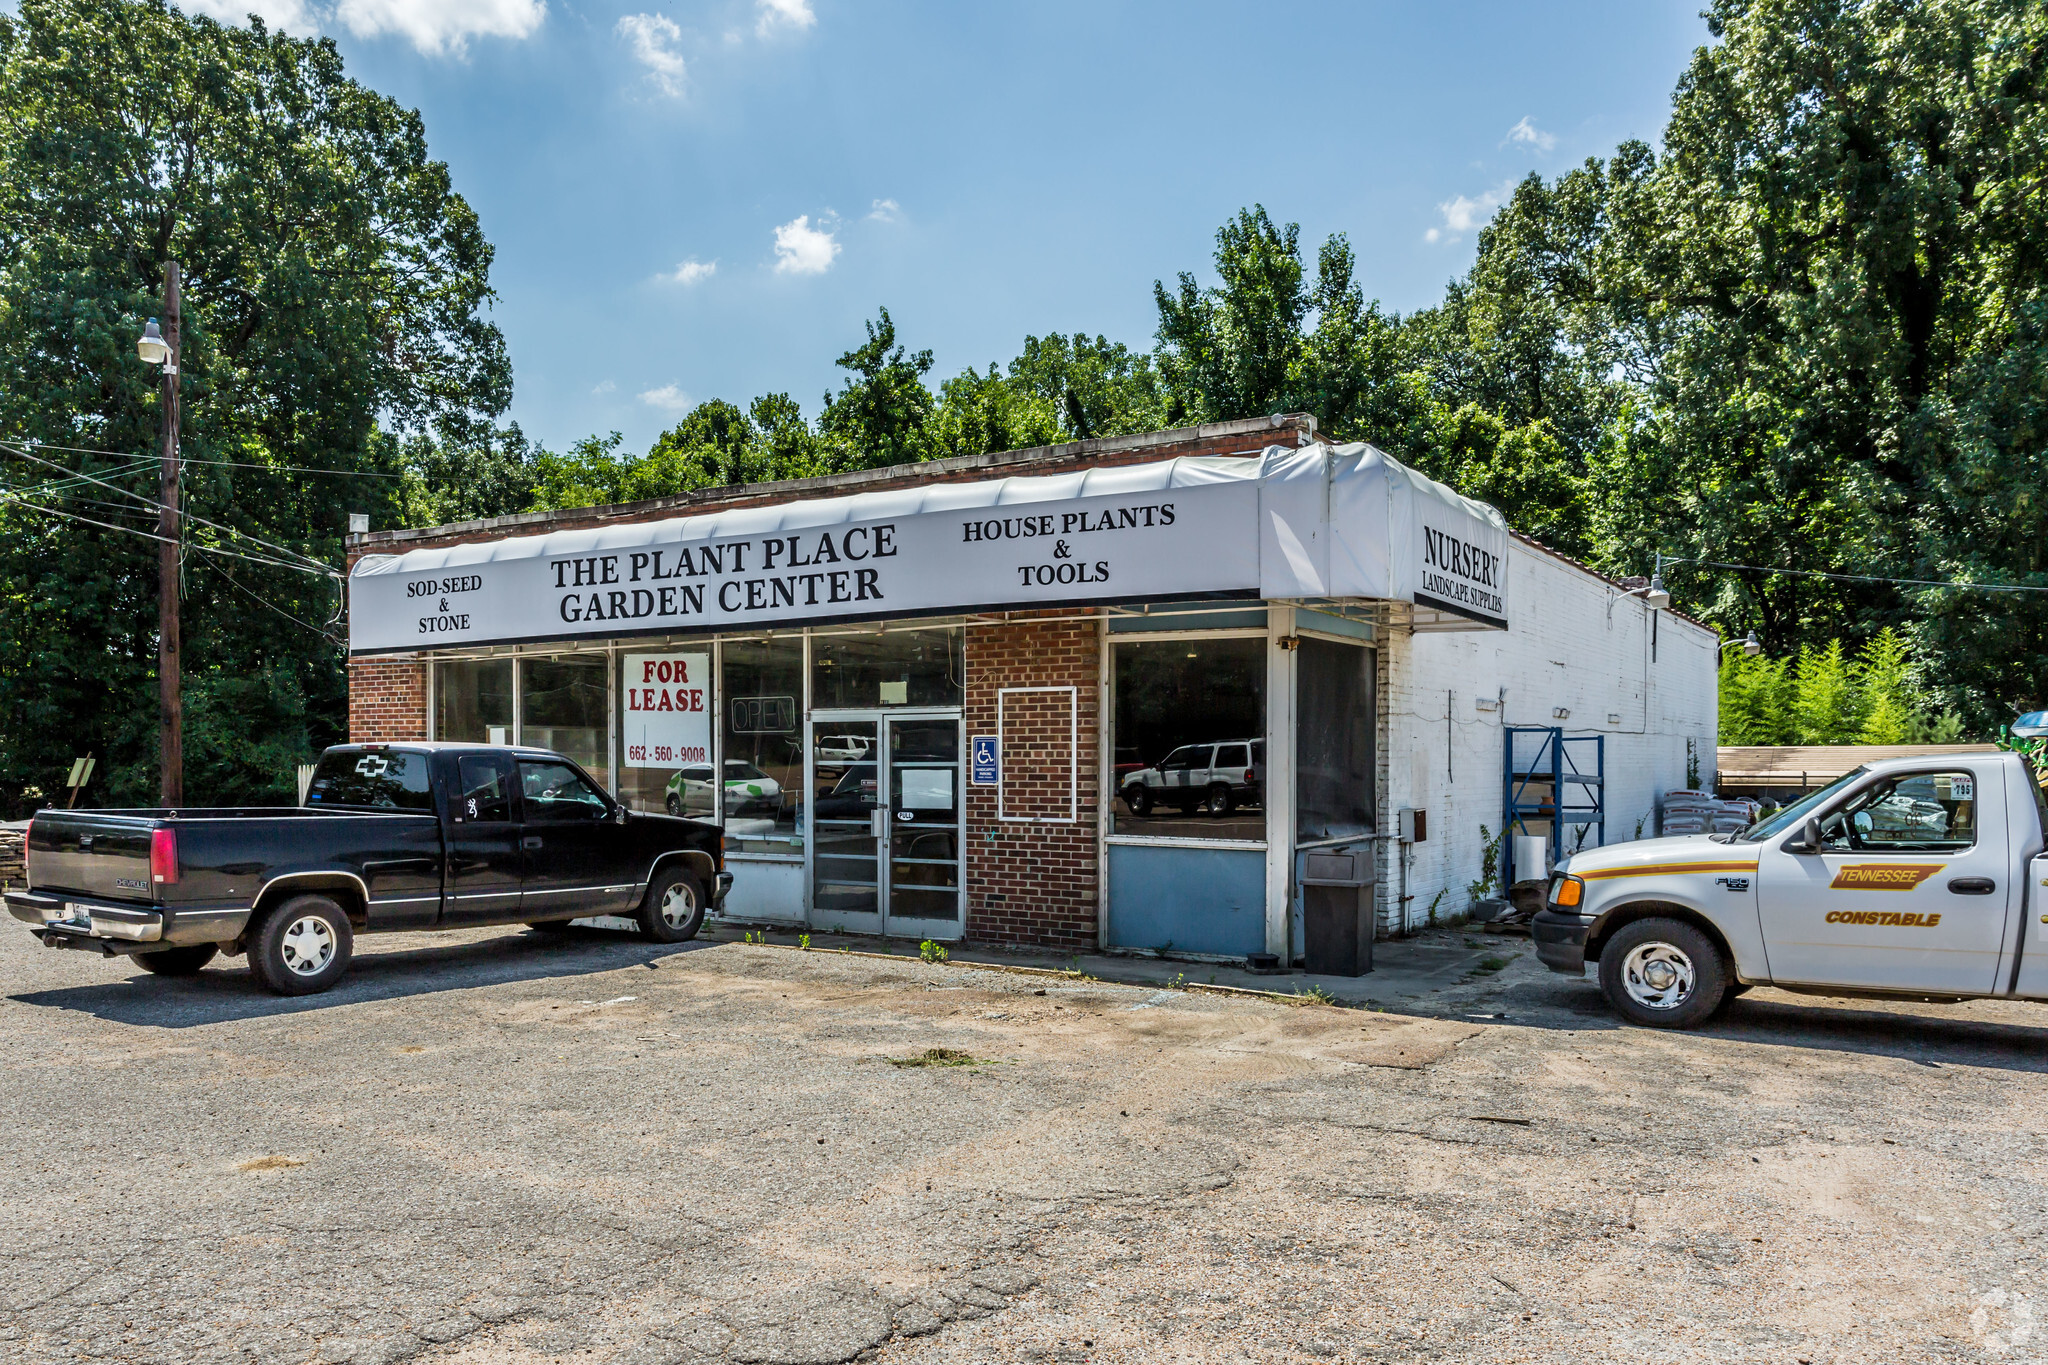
[{"x": 92, "y": 855}]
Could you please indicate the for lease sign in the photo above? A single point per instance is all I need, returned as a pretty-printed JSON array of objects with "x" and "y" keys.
[{"x": 668, "y": 715}]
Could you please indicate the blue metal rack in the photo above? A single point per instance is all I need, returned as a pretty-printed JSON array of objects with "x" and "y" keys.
[{"x": 1575, "y": 767}]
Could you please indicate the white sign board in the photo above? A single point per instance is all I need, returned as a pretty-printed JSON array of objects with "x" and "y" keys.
[
  {"x": 1292, "y": 524},
  {"x": 675, "y": 577},
  {"x": 668, "y": 709}
]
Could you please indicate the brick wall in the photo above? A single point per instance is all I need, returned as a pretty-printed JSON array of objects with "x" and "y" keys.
[
  {"x": 1035, "y": 883},
  {"x": 387, "y": 699}
]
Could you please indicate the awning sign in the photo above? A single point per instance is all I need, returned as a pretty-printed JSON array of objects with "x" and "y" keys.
[{"x": 1292, "y": 524}]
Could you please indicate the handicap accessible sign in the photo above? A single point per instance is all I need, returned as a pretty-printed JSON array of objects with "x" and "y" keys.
[{"x": 985, "y": 753}]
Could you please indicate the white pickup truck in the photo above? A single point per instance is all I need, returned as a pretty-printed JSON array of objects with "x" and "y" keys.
[{"x": 1913, "y": 878}]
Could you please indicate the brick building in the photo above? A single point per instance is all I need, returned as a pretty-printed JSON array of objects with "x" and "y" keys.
[{"x": 1174, "y": 692}]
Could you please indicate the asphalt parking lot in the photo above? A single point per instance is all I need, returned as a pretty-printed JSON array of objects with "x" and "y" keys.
[{"x": 493, "y": 1147}]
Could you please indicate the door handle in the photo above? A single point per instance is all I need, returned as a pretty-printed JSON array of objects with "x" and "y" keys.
[
  {"x": 530, "y": 841},
  {"x": 1972, "y": 886},
  {"x": 875, "y": 818}
]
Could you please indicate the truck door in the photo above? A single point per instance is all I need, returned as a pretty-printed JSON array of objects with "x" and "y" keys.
[
  {"x": 575, "y": 853},
  {"x": 1906, "y": 892},
  {"x": 485, "y": 863}
]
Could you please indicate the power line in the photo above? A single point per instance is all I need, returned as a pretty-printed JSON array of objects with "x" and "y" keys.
[
  {"x": 247, "y": 592},
  {"x": 232, "y": 464},
  {"x": 1862, "y": 578},
  {"x": 156, "y": 506},
  {"x": 318, "y": 570}
]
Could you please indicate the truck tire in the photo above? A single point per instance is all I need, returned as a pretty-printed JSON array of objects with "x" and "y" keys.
[
  {"x": 1663, "y": 973},
  {"x": 674, "y": 909},
  {"x": 178, "y": 961},
  {"x": 1139, "y": 798},
  {"x": 303, "y": 947},
  {"x": 1218, "y": 802}
]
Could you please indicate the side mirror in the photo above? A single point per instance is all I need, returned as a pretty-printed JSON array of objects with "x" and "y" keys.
[{"x": 1811, "y": 837}]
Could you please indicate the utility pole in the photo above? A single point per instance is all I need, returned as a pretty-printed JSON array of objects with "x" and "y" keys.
[{"x": 171, "y": 732}]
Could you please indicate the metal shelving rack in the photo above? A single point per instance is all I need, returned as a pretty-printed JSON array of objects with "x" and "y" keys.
[{"x": 1573, "y": 766}]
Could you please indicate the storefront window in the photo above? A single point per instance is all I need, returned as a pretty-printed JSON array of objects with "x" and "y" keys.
[
  {"x": 1190, "y": 738},
  {"x": 562, "y": 707},
  {"x": 901, "y": 668},
  {"x": 473, "y": 701},
  {"x": 1333, "y": 753},
  {"x": 761, "y": 687}
]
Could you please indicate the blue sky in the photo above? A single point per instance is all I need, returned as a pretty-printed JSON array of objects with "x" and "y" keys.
[{"x": 705, "y": 199}]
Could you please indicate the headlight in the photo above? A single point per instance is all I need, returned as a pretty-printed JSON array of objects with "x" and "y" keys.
[{"x": 1566, "y": 891}]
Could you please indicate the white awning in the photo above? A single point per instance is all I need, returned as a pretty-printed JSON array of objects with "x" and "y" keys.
[{"x": 1314, "y": 522}]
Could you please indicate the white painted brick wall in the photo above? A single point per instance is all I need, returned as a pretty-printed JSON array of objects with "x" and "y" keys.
[{"x": 1566, "y": 647}]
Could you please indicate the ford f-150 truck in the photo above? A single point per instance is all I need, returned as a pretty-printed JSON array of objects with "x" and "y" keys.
[
  {"x": 1913, "y": 878},
  {"x": 391, "y": 837}
]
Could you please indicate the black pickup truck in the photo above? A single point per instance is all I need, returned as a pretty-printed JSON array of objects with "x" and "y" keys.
[{"x": 391, "y": 837}]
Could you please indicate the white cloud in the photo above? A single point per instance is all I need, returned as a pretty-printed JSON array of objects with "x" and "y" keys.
[
  {"x": 1463, "y": 213},
  {"x": 293, "y": 16},
  {"x": 1528, "y": 134},
  {"x": 801, "y": 249},
  {"x": 668, "y": 398},
  {"x": 603, "y": 387},
  {"x": 437, "y": 26},
  {"x": 886, "y": 211},
  {"x": 777, "y": 14},
  {"x": 690, "y": 272},
  {"x": 655, "y": 42}
]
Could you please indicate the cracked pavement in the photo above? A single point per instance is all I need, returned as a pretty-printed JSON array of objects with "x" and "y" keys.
[{"x": 490, "y": 1146}]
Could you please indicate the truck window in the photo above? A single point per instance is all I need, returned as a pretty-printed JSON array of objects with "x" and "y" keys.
[
  {"x": 1910, "y": 813},
  {"x": 1233, "y": 756},
  {"x": 371, "y": 780},
  {"x": 1187, "y": 756},
  {"x": 556, "y": 792},
  {"x": 486, "y": 788}
]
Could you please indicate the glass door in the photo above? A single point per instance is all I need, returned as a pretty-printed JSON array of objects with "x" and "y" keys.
[
  {"x": 923, "y": 826},
  {"x": 846, "y": 825},
  {"x": 885, "y": 816}
]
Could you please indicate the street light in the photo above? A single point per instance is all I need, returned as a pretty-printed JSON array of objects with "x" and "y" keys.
[
  {"x": 1750, "y": 644},
  {"x": 151, "y": 345},
  {"x": 154, "y": 348}
]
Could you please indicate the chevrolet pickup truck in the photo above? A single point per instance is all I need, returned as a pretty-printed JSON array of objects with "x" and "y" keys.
[
  {"x": 1913, "y": 878},
  {"x": 391, "y": 837}
]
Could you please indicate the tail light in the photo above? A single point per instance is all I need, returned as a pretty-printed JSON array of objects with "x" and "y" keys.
[
  {"x": 163, "y": 856},
  {"x": 1247, "y": 774},
  {"x": 28, "y": 838}
]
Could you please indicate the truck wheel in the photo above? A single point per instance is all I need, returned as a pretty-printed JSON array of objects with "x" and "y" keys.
[
  {"x": 1139, "y": 799},
  {"x": 675, "y": 804},
  {"x": 1663, "y": 973},
  {"x": 674, "y": 909},
  {"x": 1218, "y": 802},
  {"x": 303, "y": 947},
  {"x": 178, "y": 961}
]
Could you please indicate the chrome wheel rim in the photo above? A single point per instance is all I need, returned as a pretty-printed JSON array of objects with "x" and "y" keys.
[
  {"x": 308, "y": 945},
  {"x": 1658, "y": 976},
  {"x": 678, "y": 905}
]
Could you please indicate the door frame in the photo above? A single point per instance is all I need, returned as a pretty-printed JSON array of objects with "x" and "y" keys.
[{"x": 885, "y": 923}]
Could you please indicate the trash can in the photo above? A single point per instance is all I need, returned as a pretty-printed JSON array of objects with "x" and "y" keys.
[{"x": 1337, "y": 912}]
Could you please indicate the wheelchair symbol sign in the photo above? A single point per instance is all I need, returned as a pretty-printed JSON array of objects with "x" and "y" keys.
[{"x": 986, "y": 755}]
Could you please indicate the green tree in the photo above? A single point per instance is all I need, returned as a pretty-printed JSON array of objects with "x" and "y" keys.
[
  {"x": 1885, "y": 695},
  {"x": 977, "y": 413},
  {"x": 1756, "y": 699},
  {"x": 1098, "y": 387},
  {"x": 879, "y": 416},
  {"x": 333, "y": 280},
  {"x": 714, "y": 444}
]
